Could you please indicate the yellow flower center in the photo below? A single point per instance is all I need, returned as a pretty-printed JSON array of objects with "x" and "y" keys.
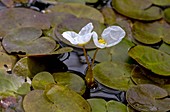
[{"x": 102, "y": 41}]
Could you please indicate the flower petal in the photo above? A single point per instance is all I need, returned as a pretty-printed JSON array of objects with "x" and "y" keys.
[
  {"x": 84, "y": 38},
  {"x": 96, "y": 42},
  {"x": 71, "y": 37},
  {"x": 86, "y": 29},
  {"x": 113, "y": 35}
]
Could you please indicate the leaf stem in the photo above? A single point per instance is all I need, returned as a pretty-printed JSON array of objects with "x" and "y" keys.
[
  {"x": 87, "y": 59},
  {"x": 94, "y": 56}
]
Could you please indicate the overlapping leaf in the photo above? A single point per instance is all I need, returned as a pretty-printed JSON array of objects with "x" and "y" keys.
[{"x": 152, "y": 59}]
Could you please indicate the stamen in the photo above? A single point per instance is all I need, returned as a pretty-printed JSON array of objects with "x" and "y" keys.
[{"x": 102, "y": 41}]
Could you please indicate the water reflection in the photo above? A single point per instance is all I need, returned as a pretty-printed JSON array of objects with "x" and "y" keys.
[{"x": 76, "y": 63}]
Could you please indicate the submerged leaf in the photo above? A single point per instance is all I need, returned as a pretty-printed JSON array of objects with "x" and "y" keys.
[{"x": 148, "y": 98}]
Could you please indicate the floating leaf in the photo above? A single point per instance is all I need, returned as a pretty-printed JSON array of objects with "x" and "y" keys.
[
  {"x": 27, "y": 40},
  {"x": 114, "y": 75},
  {"x": 41, "y": 80},
  {"x": 117, "y": 53},
  {"x": 161, "y": 2},
  {"x": 75, "y": 24},
  {"x": 144, "y": 76},
  {"x": 70, "y": 80},
  {"x": 21, "y": 68},
  {"x": 7, "y": 61},
  {"x": 97, "y": 104},
  {"x": 151, "y": 33},
  {"x": 8, "y": 3},
  {"x": 67, "y": 100},
  {"x": 79, "y": 10},
  {"x": 165, "y": 48},
  {"x": 152, "y": 59},
  {"x": 24, "y": 89},
  {"x": 9, "y": 83},
  {"x": 167, "y": 14},
  {"x": 12, "y": 18},
  {"x": 115, "y": 106},
  {"x": 138, "y": 9},
  {"x": 36, "y": 101},
  {"x": 109, "y": 15},
  {"x": 148, "y": 98}
]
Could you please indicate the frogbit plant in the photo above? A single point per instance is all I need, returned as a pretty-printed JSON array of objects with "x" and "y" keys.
[{"x": 109, "y": 37}]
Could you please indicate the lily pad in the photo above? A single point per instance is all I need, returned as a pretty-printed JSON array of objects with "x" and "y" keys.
[
  {"x": 67, "y": 100},
  {"x": 167, "y": 14},
  {"x": 9, "y": 83},
  {"x": 165, "y": 48},
  {"x": 117, "y": 53},
  {"x": 27, "y": 40},
  {"x": 148, "y": 98},
  {"x": 161, "y": 2},
  {"x": 71, "y": 81},
  {"x": 79, "y": 10},
  {"x": 36, "y": 101},
  {"x": 138, "y": 9},
  {"x": 97, "y": 104},
  {"x": 41, "y": 80},
  {"x": 12, "y": 18},
  {"x": 75, "y": 24},
  {"x": 21, "y": 68},
  {"x": 151, "y": 33},
  {"x": 156, "y": 61},
  {"x": 114, "y": 75},
  {"x": 115, "y": 106},
  {"x": 109, "y": 15},
  {"x": 7, "y": 61},
  {"x": 143, "y": 76}
]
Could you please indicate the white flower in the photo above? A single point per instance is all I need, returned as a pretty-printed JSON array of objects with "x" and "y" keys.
[
  {"x": 110, "y": 37},
  {"x": 82, "y": 37}
]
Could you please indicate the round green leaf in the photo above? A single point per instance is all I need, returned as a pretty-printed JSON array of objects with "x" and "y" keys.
[
  {"x": 27, "y": 40},
  {"x": 148, "y": 98},
  {"x": 165, "y": 48},
  {"x": 167, "y": 14},
  {"x": 79, "y": 10},
  {"x": 36, "y": 101},
  {"x": 151, "y": 33},
  {"x": 21, "y": 68},
  {"x": 75, "y": 24},
  {"x": 109, "y": 15},
  {"x": 7, "y": 61},
  {"x": 97, "y": 104},
  {"x": 70, "y": 80},
  {"x": 114, "y": 75},
  {"x": 115, "y": 106},
  {"x": 137, "y": 9},
  {"x": 161, "y": 2},
  {"x": 66, "y": 100},
  {"x": 152, "y": 59},
  {"x": 24, "y": 89},
  {"x": 41, "y": 80},
  {"x": 12, "y": 18},
  {"x": 117, "y": 53}
]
